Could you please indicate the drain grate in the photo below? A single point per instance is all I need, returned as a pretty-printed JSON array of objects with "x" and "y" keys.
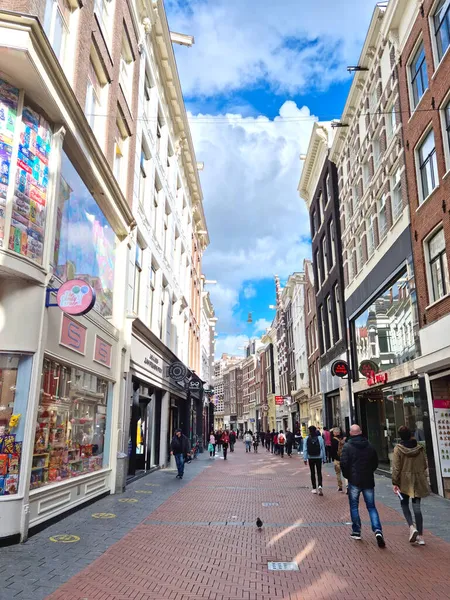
[
  {"x": 270, "y": 503},
  {"x": 282, "y": 566}
]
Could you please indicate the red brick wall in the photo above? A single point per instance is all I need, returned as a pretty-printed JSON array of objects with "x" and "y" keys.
[{"x": 430, "y": 213}]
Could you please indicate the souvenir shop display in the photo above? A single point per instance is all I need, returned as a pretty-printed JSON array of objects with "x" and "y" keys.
[{"x": 9, "y": 99}]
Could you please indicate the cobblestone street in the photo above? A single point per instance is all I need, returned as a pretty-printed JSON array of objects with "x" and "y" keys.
[{"x": 201, "y": 541}]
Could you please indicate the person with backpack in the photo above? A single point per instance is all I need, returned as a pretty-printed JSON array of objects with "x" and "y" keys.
[
  {"x": 314, "y": 455},
  {"x": 289, "y": 442},
  {"x": 248, "y": 439},
  {"x": 281, "y": 443},
  {"x": 337, "y": 443}
]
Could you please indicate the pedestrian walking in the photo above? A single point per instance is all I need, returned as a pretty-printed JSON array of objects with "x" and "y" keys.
[
  {"x": 359, "y": 460},
  {"x": 299, "y": 440},
  {"x": 232, "y": 440},
  {"x": 409, "y": 478},
  {"x": 248, "y": 439},
  {"x": 289, "y": 442},
  {"x": 275, "y": 444},
  {"x": 212, "y": 445},
  {"x": 218, "y": 435},
  {"x": 337, "y": 443},
  {"x": 179, "y": 447},
  {"x": 262, "y": 437},
  {"x": 255, "y": 443},
  {"x": 225, "y": 443},
  {"x": 314, "y": 455},
  {"x": 327, "y": 439},
  {"x": 272, "y": 443},
  {"x": 267, "y": 440},
  {"x": 281, "y": 443}
]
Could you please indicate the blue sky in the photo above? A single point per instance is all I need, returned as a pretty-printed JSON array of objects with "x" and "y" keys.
[{"x": 258, "y": 76}]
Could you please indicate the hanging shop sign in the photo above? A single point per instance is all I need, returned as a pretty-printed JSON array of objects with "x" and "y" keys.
[
  {"x": 265, "y": 407},
  {"x": 177, "y": 371},
  {"x": 340, "y": 368},
  {"x": 195, "y": 385},
  {"x": 75, "y": 297},
  {"x": 367, "y": 367},
  {"x": 279, "y": 400},
  {"x": 376, "y": 378}
]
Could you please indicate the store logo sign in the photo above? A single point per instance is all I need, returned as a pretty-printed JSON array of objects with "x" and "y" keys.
[
  {"x": 376, "y": 378},
  {"x": 75, "y": 297},
  {"x": 73, "y": 335},
  {"x": 102, "y": 353}
]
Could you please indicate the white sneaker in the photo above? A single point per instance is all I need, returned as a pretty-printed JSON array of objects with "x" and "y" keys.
[
  {"x": 314, "y": 491},
  {"x": 413, "y": 534},
  {"x": 320, "y": 491},
  {"x": 420, "y": 541}
]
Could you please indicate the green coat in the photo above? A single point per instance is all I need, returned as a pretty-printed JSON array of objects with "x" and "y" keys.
[{"x": 409, "y": 468}]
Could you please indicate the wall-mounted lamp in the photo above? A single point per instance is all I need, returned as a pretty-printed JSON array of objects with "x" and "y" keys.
[
  {"x": 354, "y": 69},
  {"x": 182, "y": 39}
]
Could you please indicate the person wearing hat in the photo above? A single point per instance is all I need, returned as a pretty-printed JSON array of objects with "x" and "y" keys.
[{"x": 179, "y": 447}]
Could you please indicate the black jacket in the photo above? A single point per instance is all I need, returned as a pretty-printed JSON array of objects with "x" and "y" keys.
[
  {"x": 290, "y": 438},
  {"x": 359, "y": 461},
  {"x": 180, "y": 445}
]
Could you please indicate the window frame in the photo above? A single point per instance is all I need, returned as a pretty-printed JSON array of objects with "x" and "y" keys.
[
  {"x": 396, "y": 185},
  {"x": 138, "y": 266},
  {"x": 382, "y": 232},
  {"x": 443, "y": 262},
  {"x": 418, "y": 48},
  {"x": 445, "y": 128},
  {"x": 421, "y": 165},
  {"x": 64, "y": 13},
  {"x": 438, "y": 53}
]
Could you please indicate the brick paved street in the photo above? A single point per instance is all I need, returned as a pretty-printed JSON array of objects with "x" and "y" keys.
[{"x": 201, "y": 542}]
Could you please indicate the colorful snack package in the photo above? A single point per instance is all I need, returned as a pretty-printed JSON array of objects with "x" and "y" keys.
[
  {"x": 13, "y": 468},
  {"x": 8, "y": 443},
  {"x": 11, "y": 484},
  {"x": 3, "y": 464},
  {"x": 2, "y": 486},
  {"x": 18, "y": 449}
]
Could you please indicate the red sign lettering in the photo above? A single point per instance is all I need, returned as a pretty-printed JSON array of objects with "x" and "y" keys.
[{"x": 376, "y": 378}]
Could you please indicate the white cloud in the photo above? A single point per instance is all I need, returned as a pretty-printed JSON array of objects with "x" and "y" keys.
[
  {"x": 258, "y": 224},
  {"x": 249, "y": 292},
  {"x": 230, "y": 344},
  {"x": 261, "y": 325},
  {"x": 288, "y": 45}
]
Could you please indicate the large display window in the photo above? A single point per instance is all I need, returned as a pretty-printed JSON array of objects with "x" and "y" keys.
[
  {"x": 9, "y": 100},
  {"x": 15, "y": 373},
  {"x": 72, "y": 433},
  {"x": 85, "y": 242}
]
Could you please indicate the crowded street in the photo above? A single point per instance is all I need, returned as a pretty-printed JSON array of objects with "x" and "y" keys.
[{"x": 197, "y": 539}]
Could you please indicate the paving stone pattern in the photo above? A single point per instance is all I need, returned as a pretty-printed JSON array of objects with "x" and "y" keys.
[{"x": 197, "y": 539}]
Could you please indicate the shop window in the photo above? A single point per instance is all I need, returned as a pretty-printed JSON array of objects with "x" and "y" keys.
[
  {"x": 437, "y": 266},
  {"x": 72, "y": 435},
  {"x": 15, "y": 373},
  {"x": 9, "y": 99},
  {"x": 380, "y": 330},
  {"x": 26, "y": 235},
  {"x": 84, "y": 241}
]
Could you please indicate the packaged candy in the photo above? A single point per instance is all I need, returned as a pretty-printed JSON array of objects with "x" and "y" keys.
[
  {"x": 3, "y": 464},
  {"x": 11, "y": 484},
  {"x": 8, "y": 443},
  {"x": 2, "y": 486},
  {"x": 18, "y": 449},
  {"x": 13, "y": 468}
]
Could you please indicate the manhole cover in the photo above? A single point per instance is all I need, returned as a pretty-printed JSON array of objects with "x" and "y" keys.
[
  {"x": 271, "y": 504},
  {"x": 282, "y": 566}
]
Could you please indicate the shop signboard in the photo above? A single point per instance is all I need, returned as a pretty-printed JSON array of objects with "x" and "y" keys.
[
  {"x": 377, "y": 378},
  {"x": 75, "y": 297},
  {"x": 340, "y": 369},
  {"x": 367, "y": 367},
  {"x": 73, "y": 335},
  {"x": 102, "y": 352},
  {"x": 442, "y": 422},
  {"x": 279, "y": 400}
]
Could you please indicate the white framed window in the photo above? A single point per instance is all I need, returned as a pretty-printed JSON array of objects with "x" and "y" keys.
[
  {"x": 330, "y": 321},
  {"x": 356, "y": 197},
  {"x": 376, "y": 152},
  {"x": 104, "y": 10},
  {"x": 441, "y": 24},
  {"x": 137, "y": 277},
  {"x": 120, "y": 152},
  {"x": 370, "y": 236},
  {"x": 427, "y": 166},
  {"x": 360, "y": 256},
  {"x": 96, "y": 97},
  {"x": 332, "y": 244},
  {"x": 446, "y": 133},
  {"x": 159, "y": 126},
  {"x": 437, "y": 266},
  {"x": 156, "y": 191},
  {"x": 366, "y": 173},
  {"x": 373, "y": 100},
  {"x": 325, "y": 257},
  {"x": 319, "y": 270},
  {"x": 337, "y": 303},
  {"x": 382, "y": 217},
  {"x": 391, "y": 122},
  {"x": 322, "y": 329},
  {"x": 126, "y": 69},
  {"x": 143, "y": 177},
  {"x": 397, "y": 201},
  {"x": 56, "y": 25},
  {"x": 328, "y": 189},
  {"x": 152, "y": 285},
  {"x": 418, "y": 75}
]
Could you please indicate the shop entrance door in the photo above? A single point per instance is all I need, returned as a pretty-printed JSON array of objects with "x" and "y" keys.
[
  {"x": 140, "y": 436},
  {"x": 372, "y": 413}
]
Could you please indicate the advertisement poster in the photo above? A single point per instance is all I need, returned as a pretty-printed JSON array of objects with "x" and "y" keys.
[
  {"x": 9, "y": 98},
  {"x": 26, "y": 235},
  {"x": 442, "y": 421}
]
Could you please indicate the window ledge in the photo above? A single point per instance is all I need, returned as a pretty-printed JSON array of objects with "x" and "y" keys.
[
  {"x": 425, "y": 201},
  {"x": 437, "y": 301},
  {"x": 447, "y": 175}
]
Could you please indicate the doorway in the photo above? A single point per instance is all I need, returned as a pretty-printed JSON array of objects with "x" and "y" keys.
[{"x": 141, "y": 429}]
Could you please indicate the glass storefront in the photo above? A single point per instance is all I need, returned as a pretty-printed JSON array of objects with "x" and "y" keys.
[
  {"x": 72, "y": 432},
  {"x": 386, "y": 333},
  {"x": 15, "y": 373},
  {"x": 382, "y": 411},
  {"x": 9, "y": 99},
  {"x": 84, "y": 242}
]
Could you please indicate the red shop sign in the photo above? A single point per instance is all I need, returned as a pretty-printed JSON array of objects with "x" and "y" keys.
[
  {"x": 376, "y": 378},
  {"x": 279, "y": 400}
]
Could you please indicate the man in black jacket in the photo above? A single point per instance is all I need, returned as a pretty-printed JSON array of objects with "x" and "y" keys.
[
  {"x": 289, "y": 442},
  {"x": 359, "y": 461},
  {"x": 179, "y": 447}
]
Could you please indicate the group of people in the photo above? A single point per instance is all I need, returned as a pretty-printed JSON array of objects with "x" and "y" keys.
[
  {"x": 221, "y": 441},
  {"x": 278, "y": 442},
  {"x": 356, "y": 461}
]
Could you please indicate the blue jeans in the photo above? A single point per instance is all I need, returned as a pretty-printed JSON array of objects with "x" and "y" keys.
[
  {"x": 248, "y": 446},
  {"x": 179, "y": 459},
  {"x": 369, "y": 498}
]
